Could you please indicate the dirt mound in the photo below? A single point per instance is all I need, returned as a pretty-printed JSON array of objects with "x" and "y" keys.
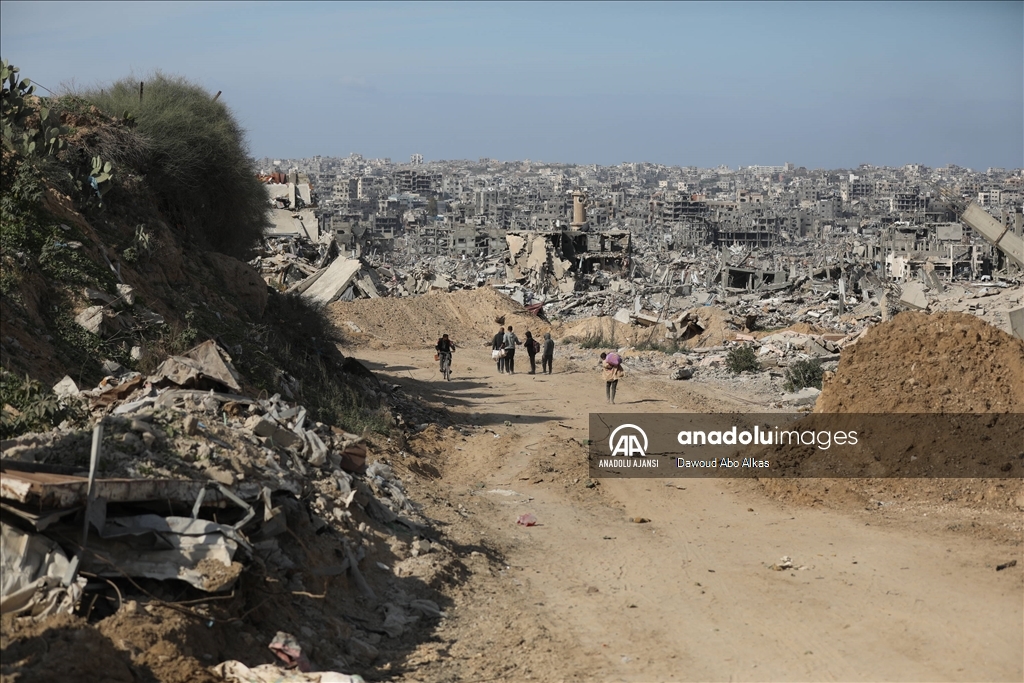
[
  {"x": 468, "y": 316},
  {"x": 606, "y": 328},
  {"x": 919, "y": 363},
  {"x": 716, "y": 327},
  {"x": 83, "y": 653}
]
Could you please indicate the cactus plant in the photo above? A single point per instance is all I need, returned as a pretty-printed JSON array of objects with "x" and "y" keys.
[
  {"x": 15, "y": 111},
  {"x": 100, "y": 176}
]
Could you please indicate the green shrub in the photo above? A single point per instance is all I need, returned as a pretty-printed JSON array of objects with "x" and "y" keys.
[
  {"x": 742, "y": 359},
  {"x": 26, "y": 406},
  {"x": 804, "y": 373},
  {"x": 195, "y": 159}
]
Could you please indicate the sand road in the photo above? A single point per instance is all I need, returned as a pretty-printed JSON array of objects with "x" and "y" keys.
[{"x": 689, "y": 596}]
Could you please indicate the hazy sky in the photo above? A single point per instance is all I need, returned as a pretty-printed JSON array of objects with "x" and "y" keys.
[{"x": 824, "y": 85}]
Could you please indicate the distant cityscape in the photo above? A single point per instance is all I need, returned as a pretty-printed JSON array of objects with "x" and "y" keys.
[{"x": 456, "y": 208}]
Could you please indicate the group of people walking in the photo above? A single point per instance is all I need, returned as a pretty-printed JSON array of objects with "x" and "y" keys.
[{"x": 503, "y": 350}]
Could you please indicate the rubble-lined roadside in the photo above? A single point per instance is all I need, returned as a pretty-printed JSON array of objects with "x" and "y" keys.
[{"x": 188, "y": 496}]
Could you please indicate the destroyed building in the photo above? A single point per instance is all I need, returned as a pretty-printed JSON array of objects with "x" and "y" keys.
[{"x": 562, "y": 234}]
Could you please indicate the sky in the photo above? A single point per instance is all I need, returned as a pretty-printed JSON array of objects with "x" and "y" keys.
[{"x": 822, "y": 85}]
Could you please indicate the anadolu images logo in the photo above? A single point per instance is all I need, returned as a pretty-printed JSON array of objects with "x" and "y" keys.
[{"x": 628, "y": 444}]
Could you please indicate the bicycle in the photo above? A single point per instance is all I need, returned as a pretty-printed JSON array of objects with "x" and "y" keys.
[{"x": 446, "y": 366}]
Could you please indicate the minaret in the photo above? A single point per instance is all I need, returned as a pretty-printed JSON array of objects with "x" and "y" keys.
[{"x": 579, "y": 210}]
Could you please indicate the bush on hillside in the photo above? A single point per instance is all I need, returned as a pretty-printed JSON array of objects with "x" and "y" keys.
[{"x": 195, "y": 161}]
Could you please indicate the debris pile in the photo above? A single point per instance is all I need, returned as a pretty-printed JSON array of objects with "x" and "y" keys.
[
  {"x": 570, "y": 276},
  {"x": 185, "y": 480},
  {"x": 323, "y": 273}
]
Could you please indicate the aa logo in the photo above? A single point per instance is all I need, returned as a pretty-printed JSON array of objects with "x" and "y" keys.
[{"x": 628, "y": 444}]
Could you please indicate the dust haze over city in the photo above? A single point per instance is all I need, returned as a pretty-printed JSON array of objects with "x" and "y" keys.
[{"x": 352, "y": 342}]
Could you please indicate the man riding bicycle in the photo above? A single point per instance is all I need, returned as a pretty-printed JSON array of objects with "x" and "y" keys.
[{"x": 444, "y": 348}]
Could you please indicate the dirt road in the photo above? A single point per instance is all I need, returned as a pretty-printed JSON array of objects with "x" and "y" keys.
[{"x": 589, "y": 595}]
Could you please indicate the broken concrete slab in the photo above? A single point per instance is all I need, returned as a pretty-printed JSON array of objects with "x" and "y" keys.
[
  {"x": 95, "y": 319},
  {"x": 366, "y": 286},
  {"x": 646, "y": 319},
  {"x": 804, "y": 397},
  {"x": 98, "y": 297},
  {"x": 202, "y": 366},
  {"x": 307, "y": 282},
  {"x": 681, "y": 373},
  {"x": 813, "y": 348},
  {"x": 334, "y": 281},
  {"x": 126, "y": 293},
  {"x": 267, "y": 428},
  {"x": 913, "y": 295},
  {"x": 47, "y": 490},
  {"x": 1016, "y": 317},
  {"x": 515, "y": 245}
]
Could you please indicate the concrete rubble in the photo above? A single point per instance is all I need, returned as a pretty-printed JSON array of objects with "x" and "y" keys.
[
  {"x": 220, "y": 475},
  {"x": 566, "y": 275}
]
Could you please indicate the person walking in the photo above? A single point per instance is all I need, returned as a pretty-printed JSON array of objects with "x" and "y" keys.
[
  {"x": 612, "y": 373},
  {"x": 511, "y": 341},
  {"x": 532, "y": 347},
  {"x": 548, "y": 356},
  {"x": 498, "y": 344}
]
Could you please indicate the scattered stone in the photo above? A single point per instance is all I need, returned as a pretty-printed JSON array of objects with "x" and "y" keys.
[
  {"x": 221, "y": 475},
  {"x": 66, "y": 387},
  {"x": 681, "y": 373},
  {"x": 191, "y": 425}
]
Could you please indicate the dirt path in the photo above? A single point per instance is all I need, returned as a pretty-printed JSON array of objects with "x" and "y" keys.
[{"x": 588, "y": 595}]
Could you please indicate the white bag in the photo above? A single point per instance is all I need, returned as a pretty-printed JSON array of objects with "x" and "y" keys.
[{"x": 496, "y": 354}]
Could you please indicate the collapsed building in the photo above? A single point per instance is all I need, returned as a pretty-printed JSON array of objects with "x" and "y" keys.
[
  {"x": 561, "y": 261},
  {"x": 573, "y": 243}
]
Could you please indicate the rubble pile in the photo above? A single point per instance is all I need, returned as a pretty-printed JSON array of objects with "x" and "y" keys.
[
  {"x": 322, "y": 273},
  {"x": 184, "y": 480},
  {"x": 287, "y": 261},
  {"x": 707, "y": 365},
  {"x": 571, "y": 276}
]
